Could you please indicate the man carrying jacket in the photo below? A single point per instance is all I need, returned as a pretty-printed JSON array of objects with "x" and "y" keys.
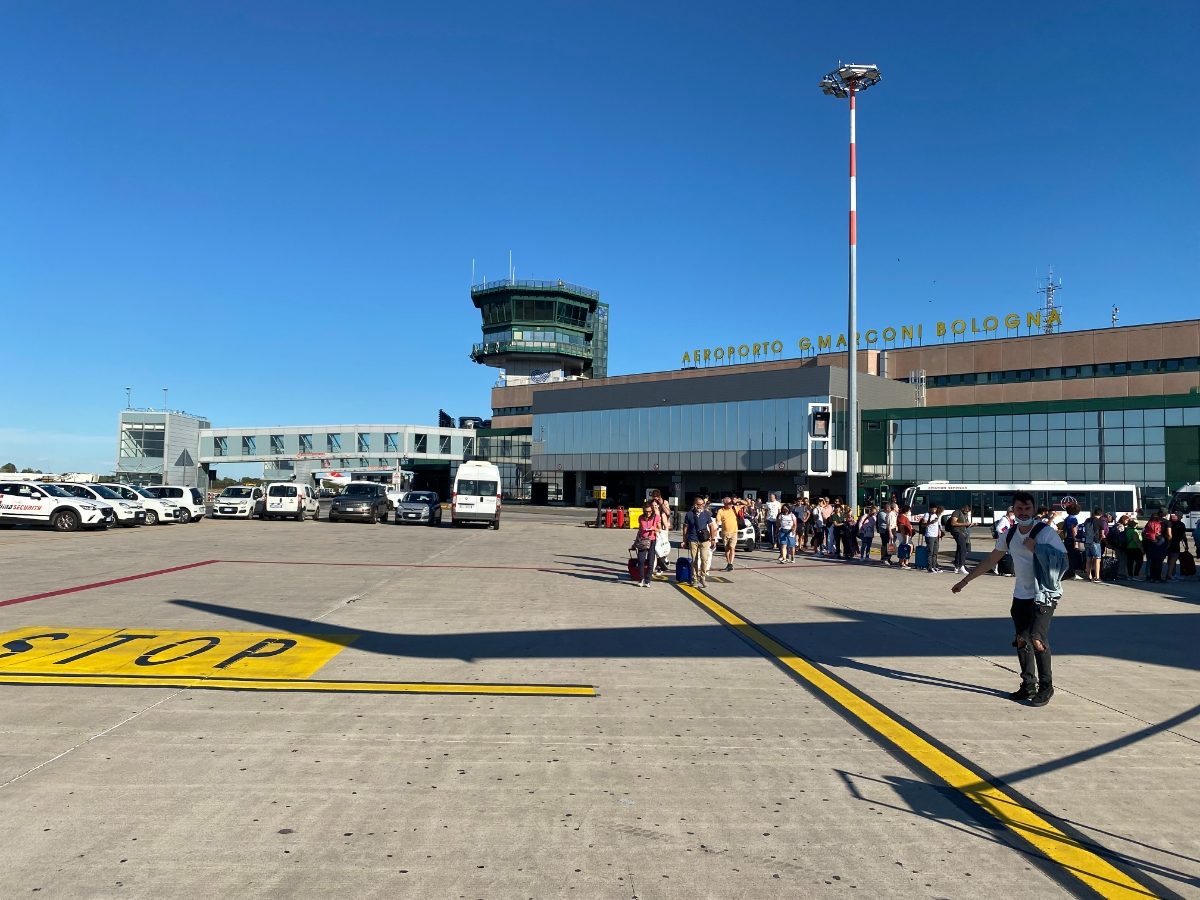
[{"x": 1033, "y": 600}]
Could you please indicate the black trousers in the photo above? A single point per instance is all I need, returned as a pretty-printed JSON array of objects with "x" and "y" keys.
[
  {"x": 962, "y": 544},
  {"x": 1032, "y": 623}
]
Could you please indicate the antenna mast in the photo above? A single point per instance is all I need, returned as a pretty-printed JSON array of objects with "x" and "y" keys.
[{"x": 1049, "y": 291}]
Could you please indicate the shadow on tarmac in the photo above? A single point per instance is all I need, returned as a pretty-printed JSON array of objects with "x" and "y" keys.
[
  {"x": 1148, "y": 639},
  {"x": 1137, "y": 638}
]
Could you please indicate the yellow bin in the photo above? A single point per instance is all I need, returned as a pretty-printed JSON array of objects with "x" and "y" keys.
[{"x": 635, "y": 516}]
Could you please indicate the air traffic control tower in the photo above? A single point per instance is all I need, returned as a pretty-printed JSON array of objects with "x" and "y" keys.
[{"x": 540, "y": 331}]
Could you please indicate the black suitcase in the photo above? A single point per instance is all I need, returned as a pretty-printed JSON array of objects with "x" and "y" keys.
[
  {"x": 1005, "y": 566},
  {"x": 1110, "y": 568}
]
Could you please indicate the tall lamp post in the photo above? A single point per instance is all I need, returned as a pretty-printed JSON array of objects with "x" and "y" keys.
[{"x": 846, "y": 81}]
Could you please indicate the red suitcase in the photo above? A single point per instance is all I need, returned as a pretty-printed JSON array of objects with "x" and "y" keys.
[{"x": 635, "y": 571}]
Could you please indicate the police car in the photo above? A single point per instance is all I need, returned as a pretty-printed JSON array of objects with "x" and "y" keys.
[{"x": 36, "y": 503}]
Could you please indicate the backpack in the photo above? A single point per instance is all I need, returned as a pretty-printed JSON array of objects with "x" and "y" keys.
[
  {"x": 1033, "y": 532},
  {"x": 881, "y": 521}
]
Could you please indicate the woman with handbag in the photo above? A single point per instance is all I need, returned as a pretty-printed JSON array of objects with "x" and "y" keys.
[
  {"x": 644, "y": 542},
  {"x": 662, "y": 547}
]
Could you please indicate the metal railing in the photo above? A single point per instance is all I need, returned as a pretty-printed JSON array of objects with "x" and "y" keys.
[
  {"x": 536, "y": 285},
  {"x": 561, "y": 347}
]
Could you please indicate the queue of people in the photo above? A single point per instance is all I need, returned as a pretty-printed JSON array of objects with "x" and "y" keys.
[{"x": 1158, "y": 551}]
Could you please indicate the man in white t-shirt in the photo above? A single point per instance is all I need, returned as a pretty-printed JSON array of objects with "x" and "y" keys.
[
  {"x": 772, "y": 507},
  {"x": 1030, "y": 618}
]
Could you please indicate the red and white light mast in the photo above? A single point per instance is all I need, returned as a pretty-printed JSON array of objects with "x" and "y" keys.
[{"x": 846, "y": 81}]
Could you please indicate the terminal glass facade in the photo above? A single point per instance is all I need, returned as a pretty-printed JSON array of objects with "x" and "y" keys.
[
  {"x": 739, "y": 435},
  {"x": 1147, "y": 447}
]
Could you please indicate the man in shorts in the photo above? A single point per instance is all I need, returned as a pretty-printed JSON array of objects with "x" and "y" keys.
[
  {"x": 729, "y": 527},
  {"x": 1030, "y": 618}
]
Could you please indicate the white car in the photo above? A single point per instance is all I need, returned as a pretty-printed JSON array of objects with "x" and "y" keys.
[
  {"x": 158, "y": 512},
  {"x": 239, "y": 501},
  {"x": 188, "y": 499},
  {"x": 129, "y": 512},
  {"x": 31, "y": 502},
  {"x": 291, "y": 501}
]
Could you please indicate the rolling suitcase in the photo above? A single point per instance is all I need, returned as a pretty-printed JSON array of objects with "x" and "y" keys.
[
  {"x": 922, "y": 557},
  {"x": 635, "y": 570},
  {"x": 1005, "y": 566},
  {"x": 683, "y": 569}
]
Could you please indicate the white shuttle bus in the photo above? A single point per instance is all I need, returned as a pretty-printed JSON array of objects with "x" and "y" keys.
[{"x": 989, "y": 502}]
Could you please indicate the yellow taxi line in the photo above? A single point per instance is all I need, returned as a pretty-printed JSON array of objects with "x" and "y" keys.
[
  {"x": 299, "y": 685},
  {"x": 1081, "y": 862}
]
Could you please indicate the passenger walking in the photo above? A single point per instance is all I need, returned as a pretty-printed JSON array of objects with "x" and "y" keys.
[
  {"x": 836, "y": 527},
  {"x": 1093, "y": 543},
  {"x": 787, "y": 535},
  {"x": 866, "y": 533},
  {"x": 700, "y": 533},
  {"x": 820, "y": 517},
  {"x": 884, "y": 532},
  {"x": 1069, "y": 527},
  {"x": 1154, "y": 544},
  {"x": 904, "y": 528},
  {"x": 729, "y": 528},
  {"x": 1115, "y": 541},
  {"x": 1133, "y": 548},
  {"x": 1005, "y": 522},
  {"x": 645, "y": 541},
  {"x": 772, "y": 507},
  {"x": 933, "y": 536},
  {"x": 1176, "y": 543},
  {"x": 1036, "y": 593},
  {"x": 803, "y": 513},
  {"x": 662, "y": 508},
  {"x": 960, "y": 530},
  {"x": 893, "y": 514}
]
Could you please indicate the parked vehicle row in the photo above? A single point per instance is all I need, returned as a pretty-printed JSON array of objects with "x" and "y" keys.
[{"x": 69, "y": 506}]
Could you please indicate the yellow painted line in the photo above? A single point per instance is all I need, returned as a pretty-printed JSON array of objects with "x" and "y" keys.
[
  {"x": 298, "y": 685},
  {"x": 1081, "y": 862}
]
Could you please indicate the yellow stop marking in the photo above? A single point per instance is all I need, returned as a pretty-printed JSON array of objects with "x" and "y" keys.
[{"x": 156, "y": 651}]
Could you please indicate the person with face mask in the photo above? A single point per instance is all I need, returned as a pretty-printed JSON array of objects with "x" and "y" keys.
[{"x": 1039, "y": 560}]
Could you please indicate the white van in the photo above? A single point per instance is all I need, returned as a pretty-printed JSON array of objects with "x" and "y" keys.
[
  {"x": 476, "y": 495},
  {"x": 293, "y": 501}
]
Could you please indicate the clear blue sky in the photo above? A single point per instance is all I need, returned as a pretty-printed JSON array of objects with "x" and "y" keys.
[{"x": 205, "y": 196}]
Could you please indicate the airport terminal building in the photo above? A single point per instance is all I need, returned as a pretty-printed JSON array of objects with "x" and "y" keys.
[
  {"x": 1113, "y": 405},
  {"x": 963, "y": 401}
]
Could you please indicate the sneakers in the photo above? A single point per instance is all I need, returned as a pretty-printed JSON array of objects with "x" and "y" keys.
[
  {"x": 645, "y": 584},
  {"x": 1043, "y": 695},
  {"x": 1024, "y": 694},
  {"x": 729, "y": 567}
]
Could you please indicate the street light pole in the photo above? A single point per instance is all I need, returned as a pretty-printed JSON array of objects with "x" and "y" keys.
[{"x": 845, "y": 82}]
